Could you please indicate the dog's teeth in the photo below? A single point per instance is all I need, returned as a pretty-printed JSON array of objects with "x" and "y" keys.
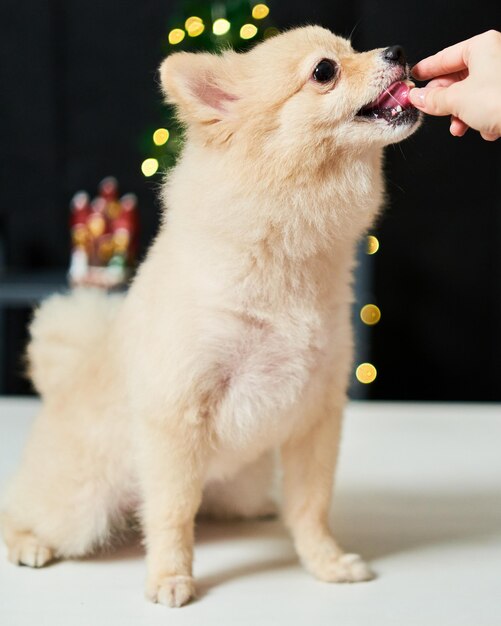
[{"x": 398, "y": 109}]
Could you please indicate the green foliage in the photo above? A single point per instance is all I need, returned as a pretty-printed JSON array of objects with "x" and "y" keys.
[{"x": 214, "y": 26}]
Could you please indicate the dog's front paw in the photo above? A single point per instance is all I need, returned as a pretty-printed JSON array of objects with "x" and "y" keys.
[
  {"x": 344, "y": 568},
  {"x": 173, "y": 591}
]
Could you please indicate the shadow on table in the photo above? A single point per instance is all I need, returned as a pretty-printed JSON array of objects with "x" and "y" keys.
[
  {"x": 375, "y": 524},
  {"x": 207, "y": 531},
  {"x": 381, "y": 523}
]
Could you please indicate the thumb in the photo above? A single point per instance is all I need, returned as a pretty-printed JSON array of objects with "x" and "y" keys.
[{"x": 433, "y": 100}]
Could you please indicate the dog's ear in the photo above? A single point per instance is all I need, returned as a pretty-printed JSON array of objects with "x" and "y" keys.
[{"x": 200, "y": 86}]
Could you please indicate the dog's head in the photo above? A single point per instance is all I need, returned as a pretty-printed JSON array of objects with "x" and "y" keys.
[{"x": 303, "y": 89}]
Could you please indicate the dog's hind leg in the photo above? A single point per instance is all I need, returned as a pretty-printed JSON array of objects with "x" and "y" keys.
[
  {"x": 24, "y": 548},
  {"x": 39, "y": 526},
  {"x": 74, "y": 480},
  {"x": 68, "y": 495}
]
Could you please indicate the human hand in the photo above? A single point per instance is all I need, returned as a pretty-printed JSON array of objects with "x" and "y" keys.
[{"x": 465, "y": 83}]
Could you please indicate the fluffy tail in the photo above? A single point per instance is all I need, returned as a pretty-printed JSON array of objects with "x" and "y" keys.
[{"x": 67, "y": 331}]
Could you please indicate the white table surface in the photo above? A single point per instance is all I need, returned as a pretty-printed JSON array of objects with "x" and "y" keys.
[{"x": 418, "y": 494}]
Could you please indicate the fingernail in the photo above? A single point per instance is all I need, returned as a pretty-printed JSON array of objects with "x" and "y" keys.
[{"x": 417, "y": 96}]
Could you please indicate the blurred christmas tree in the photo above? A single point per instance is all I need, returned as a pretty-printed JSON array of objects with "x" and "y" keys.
[{"x": 201, "y": 26}]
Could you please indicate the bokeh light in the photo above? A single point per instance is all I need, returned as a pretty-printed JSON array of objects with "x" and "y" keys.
[
  {"x": 366, "y": 373},
  {"x": 192, "y": 20},
  {"x": 160, "y": 136},
  {"x": 149, "y": 167},
  {"x": 370, "y": 314},
  {"x": 176, "y": 36},
  {"x": 260, "y": 11},
  {"x": 372, "y": 244},
  {"x": 194, "y": 26},
  {"x": 248, "y": 31},
  {"x": 221, "y": 26}
]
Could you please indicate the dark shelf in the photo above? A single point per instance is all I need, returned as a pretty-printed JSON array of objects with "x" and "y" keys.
[{"x": 19, "y": 289}]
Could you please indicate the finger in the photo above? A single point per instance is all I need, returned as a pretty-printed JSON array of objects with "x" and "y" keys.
[
  {"x": 452, "y": 59},
  {"x": 434, "y": 101},
  {"x": 490, "y": 136},
  {"x": 448, "y": 79},
  {"x": 447, "y": 61},
  {"x": 458, "y": 127},
  {"x": 442, "y": 81}
]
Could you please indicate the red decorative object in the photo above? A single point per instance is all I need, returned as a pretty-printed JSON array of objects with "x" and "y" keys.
[{"x": 104, "y": 236}]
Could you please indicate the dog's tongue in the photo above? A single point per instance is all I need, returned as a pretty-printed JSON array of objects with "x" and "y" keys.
[{"x": 396, "y": 94}]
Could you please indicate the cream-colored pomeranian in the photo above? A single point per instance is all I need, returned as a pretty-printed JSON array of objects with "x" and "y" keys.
[{"x": 234, "y": 339}]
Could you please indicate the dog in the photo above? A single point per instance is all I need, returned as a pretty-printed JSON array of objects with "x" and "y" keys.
[{"x": 234, "y": 339}]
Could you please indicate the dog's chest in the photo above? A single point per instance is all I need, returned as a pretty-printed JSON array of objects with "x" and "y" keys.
[{"x": 264, "y": 371}]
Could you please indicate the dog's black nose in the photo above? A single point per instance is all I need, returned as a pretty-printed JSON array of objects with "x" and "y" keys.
[{"x": 395, "y": 54}]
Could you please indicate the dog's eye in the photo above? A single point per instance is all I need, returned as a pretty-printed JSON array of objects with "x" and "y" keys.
[{"x": 325, "y": 71}]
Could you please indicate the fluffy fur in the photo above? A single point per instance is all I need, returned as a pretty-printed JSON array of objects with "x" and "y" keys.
[{"x": 234, "y": 339}]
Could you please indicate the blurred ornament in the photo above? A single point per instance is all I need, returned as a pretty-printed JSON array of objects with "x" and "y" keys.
[
  {"x": 80, "y": 211},
  {"x": 104, "y": 236},
  {"x": 108, "y": 189}
]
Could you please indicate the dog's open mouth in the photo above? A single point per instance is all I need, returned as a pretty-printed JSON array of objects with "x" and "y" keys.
[{"x": 392, "y": 105}]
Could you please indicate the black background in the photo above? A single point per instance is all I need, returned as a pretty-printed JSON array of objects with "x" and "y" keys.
[{"x": 79, "y": 91}]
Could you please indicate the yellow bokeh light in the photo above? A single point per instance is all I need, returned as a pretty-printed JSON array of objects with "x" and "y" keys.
[
  {"x": 366, "y": 373},
  {"x": 192, "y": 20},
  {"x": 160, "y": 136},
  {"x": 248, "y": 31},
  {"x": 372, "y": 244},
  {"x": 176, "y": 36},
  {"x": 260, "y": 11},
  {"x": 195, "y": 30},
  {"x": 194, "y": 26},
  {"x": 149, "y": 167},
  {"x": 370, "y": 314},
  {"x": 221, "y": 26}
]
